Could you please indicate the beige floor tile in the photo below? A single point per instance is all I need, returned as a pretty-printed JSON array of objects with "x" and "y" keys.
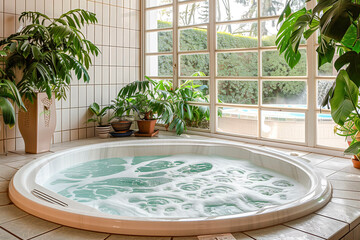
[
  {"x": 4, "y": 199},
  {"x": 29, "y": 226},
  {"x": 123, "y": 237},
  {"x": 348, "y": 202},
  {"x": 10, "y": 212},
  {"x": 345, "y": 185},
  {"x": 341, "y": 212},
  {"x": 335, "y": 164},
  {"x": 7, "y": 172},
  {"x": 346, "y": 194},
  {"x": 350, "y": 169},
  {"x": 280, "y": 232},
  {"x": 18, "y": 164},
  {"x": 13, "y": 157},
  {"x": 4, "y": 235},
  {"x": 4, "y": 186},
  {"x": 320, "y": 226},
  {"x": 66, "y": 233},
  {"x": 326, "y": 172},
  {"x": 344, "y": 176},
  {"x": 315, "y": 158}
]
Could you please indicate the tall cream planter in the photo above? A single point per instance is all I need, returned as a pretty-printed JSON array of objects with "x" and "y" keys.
[{"x": 37, "y": 125}]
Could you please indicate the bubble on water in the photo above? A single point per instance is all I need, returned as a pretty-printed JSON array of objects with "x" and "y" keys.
[
  {"x": 216, "y": 190},
  {"x": 267, "y": 190},
  {"x": 140, "y": 159},
  {"x": 220, "y": 210},
  {"x": 283, "y": 183},
  {"x": 259, "y": 177},
  {"x": 158, "y": 165},
  {"x": 196, "y": 168},
  {"x": 188, "y": 186}
]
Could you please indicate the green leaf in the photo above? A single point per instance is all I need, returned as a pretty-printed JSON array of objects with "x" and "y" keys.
[
  {"x": 7, "y": 111},
  {"x": 344, "y": 99},
  {"x": 353, "y": 149},
  {"x": 353, "y": 59},
  {"x": 336, "y": 20}
]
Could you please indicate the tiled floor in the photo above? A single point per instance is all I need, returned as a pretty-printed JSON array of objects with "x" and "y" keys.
[{"x": 339, "y": 219}]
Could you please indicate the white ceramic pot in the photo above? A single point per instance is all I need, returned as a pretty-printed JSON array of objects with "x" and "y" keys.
[{"x": 103, "y": 131}]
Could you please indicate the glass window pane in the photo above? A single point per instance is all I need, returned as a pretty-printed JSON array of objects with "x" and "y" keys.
[
  {"x": 238, "y": 92},
  {"x": 285, "y": 126},
  {"x": 242, "y": 35},
  {"x": 237, "y": 64},
  {"x": 275, "y": 7},
  {"x": 323, "y": 87},
  {"x": 193, "y": 13},
  {"x": 268, "y": 33},
  {"x": 159, "y": 66},
  {"x": 200, "y": 84},
  {"x": 275, "y": 65},
  {"x": 159, "y": 42},
  {"x": 240, "y": 121},
  {"x": 235, "y": 10},
  {"x": 154, "y": 3},
  {"x": 291, "y": 94},
  {"x": 191, "y": 64},
  {"x": 193, "y": 39},
  {"x": 201, "y": 117},
  {"x": 159, "y": 18},
  {"x": 325, "y": 132}
]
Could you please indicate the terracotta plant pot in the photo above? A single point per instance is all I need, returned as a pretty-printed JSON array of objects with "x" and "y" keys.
[
  {"x": 122, "y": 125},
  {"x": 103, "y": 131},
  {"x": 37, "y": 125},
  {"x": 356, "y": 162},
  {"x": 146, "y": 126}
]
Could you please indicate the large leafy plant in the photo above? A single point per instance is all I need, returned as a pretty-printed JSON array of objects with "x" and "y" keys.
[
  {"x": 47, "y": 51},
  {"x": 338, "y": 26}
]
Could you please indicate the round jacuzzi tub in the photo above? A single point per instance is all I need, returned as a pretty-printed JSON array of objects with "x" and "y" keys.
[{"x": 169, "y": 187}]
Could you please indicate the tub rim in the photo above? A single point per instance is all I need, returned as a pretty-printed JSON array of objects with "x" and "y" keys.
[{"x": 317, "y": 196}]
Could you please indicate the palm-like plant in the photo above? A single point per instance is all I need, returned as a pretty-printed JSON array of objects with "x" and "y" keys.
[{"x": 48, "y": 50}]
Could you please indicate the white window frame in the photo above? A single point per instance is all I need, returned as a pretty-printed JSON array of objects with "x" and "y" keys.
[{"x": 310, "y": 112}]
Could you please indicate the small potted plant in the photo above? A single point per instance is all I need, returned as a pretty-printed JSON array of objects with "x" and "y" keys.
[
  {"x": 102, "y": 129},
  {"x": 121, "y": 120}
]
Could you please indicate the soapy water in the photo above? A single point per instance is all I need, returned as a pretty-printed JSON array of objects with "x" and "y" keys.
[{"x": 174, "y": 186}]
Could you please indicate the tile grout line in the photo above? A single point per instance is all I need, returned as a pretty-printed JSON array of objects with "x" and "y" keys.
[
  {"x": 45, "y": 232},
  {"x": 10, "y": 232},
  {"x": 284, "y": 224}
]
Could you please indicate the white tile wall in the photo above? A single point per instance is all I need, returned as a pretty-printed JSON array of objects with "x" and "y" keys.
[{"x": 117, "y": 34}]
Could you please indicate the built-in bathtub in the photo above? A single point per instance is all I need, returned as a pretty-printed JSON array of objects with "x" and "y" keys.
[{"x": 28, "y": 193}]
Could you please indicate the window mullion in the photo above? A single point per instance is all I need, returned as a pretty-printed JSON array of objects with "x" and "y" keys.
[
  {"x": 175, "y": 45},
  {"x": 310, "y": 126},
  {"x": 212, "y": 49}
]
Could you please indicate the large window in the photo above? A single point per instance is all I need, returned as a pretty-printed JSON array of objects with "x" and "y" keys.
[{"x": 253, "y": 92}]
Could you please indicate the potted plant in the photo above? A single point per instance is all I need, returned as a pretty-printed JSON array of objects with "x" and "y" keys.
[
  {"x": 122, "y": 120},
  {"x": 102, "y": 129},
  {"x": 337, "y": 24},
  {"x": 41, "y": 59},
  {"x": 145, "y": 102}
]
